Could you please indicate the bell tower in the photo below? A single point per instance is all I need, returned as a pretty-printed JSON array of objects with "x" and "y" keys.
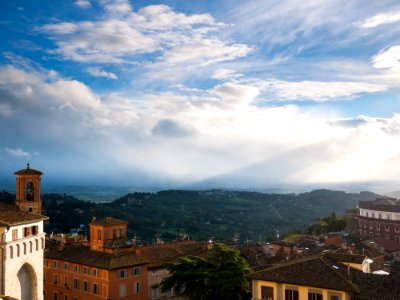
[{"x": 28, "y": 190}]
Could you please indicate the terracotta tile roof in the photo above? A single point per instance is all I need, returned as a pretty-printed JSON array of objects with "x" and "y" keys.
[
  {"x": 388, "y": 245},
  {"x": 347, "y": 257},
  {"x": 28, "y": 171},
  {"x": 318, "y": 272},
  {"x": 373, "y": 287},
  {"x": 324, "y": 272},
  {"x": 108, "y": 221},
  {"x": 159, "y": 254},
  {"x": 83, "y": 255},
  {"x": 382, "y": 204},
  {"x": 10, "y": 215}
]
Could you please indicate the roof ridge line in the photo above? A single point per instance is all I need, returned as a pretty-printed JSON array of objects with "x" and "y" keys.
[{"x": 353, "y": 285}]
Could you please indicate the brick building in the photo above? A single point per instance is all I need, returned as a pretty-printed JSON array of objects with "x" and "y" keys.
[
  {"x": 379, "y": 219},
  {"x": 108, "y": 268}
]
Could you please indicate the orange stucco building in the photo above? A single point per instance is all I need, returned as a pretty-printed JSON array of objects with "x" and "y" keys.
[{"x": 108, "y": 268}]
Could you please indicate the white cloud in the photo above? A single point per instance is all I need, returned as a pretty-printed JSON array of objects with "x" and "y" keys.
[
  {"x": 18, "y": 152},
  {"x": 388, "y": 59},
  {"x": 83, "y": 3},
  {"x": 97, "y": 72},
  {"x": 224, "y": 74},
  {"x": 381, "y": 19},
  {"x": 319, "y": 91},
  {"x": 173, "y": 38},
  {"x": 216, "y": 132}
]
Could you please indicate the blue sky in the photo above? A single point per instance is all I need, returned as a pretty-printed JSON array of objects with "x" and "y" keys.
[{"x": 179, "y": 93}]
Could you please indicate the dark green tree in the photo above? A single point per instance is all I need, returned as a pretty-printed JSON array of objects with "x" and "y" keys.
[{"x": 223, "y": 274}]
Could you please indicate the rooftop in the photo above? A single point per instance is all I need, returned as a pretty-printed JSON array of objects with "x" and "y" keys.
[
  {"x": 10, "y": 215},
  {"x": 83, "y": 255},
  {"x": 327, "y": 273},
  {"x": 28, "y": 171},
  {"x": 108, "y": 221},
  {"x": 158, "y": 254},
  {"x": 381, "y": 204}
]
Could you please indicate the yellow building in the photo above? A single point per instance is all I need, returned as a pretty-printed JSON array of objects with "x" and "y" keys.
[{"x": 322, "y": 278}]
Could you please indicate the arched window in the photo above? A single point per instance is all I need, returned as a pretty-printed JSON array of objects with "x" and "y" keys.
[
  {"x": 18, "y": 250},
  {"x": 11, "y": 252},
  {"x": 37, "y": 245},
  {"x": 30, "y": 246},
  {"x": 24, "y": 248},
  {"x": 99, "y": 234},
  {"x": 42, "y": 239}
]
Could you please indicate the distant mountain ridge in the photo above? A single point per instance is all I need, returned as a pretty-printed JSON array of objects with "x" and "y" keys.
[{"x": 202, "y": 214}]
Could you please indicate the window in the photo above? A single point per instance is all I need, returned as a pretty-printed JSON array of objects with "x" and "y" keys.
[
  {"x": 360, "y": 223},
  {"x": 389, "y": 217},
  {"x": 120, "y": 232},
  {"x": 76, "y": 284},
  {"x": 365, "y": 224},
  {"x": 397, "y": 228},
  {"x": 35, "y": 230},
  {"x": 76, "y": 268},
  {"x": 15, "y": 234},
  {"x": 378, "y": 226},
  {"x": 24, "y": 244},
  {"x": 387, "y": 236},
  {"x": 122, "y": 290},
  {"x": 65, "y": 281},
  {"x": 85, "y": 270},
  {"x": 55, "y": 264},
  {"x": 55, "y": 297},
  {"x": 65, "y": 297},
  {"x": 397, "y": 238},
  {"x": 138, "y": 287},
  {"x": 154, "y": 293},
  {"x": 11, "y": 252},
  {"x": 99, "y": 234},
  {"x": 94, "y": 272},
  {"x": 30, "y": 247},
  {"x": 37, "y": 245},
  {"x": 136, "y": 271},
  {"x": 55, "y": 278},
  {"x": 334, "y": 296},
  {"x": 65, "y": 266},
  {"x": 85, "y": 286},
  {"x": 95, "y": 288},
  {"x": 291, "y": 294},
  {"x": 387, "y": 227},
  {"x": 27, "y": 231},
  {"x": 114, "y": 233},
  {"x": 267, "y": 293},
  {"x": 379, "y": 216},
  {"x": 314, "y": 295},
  {"x": 373, "y": 216},
  {"x": 371, "y": 234},
  {"x": 371, "y": 225},
  {"x": 121, "y": 274}
]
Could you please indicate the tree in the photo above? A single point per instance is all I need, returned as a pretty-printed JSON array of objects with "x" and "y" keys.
[{"x": 223, "y": 274}]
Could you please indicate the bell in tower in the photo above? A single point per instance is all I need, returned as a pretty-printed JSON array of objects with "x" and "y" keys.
[{"x": 28, "y": 190}]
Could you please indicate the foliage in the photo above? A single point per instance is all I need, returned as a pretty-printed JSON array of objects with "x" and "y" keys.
[
  {"x": 331, "y": 223},
  {"x": 222, "y": 214},
  {"x": 224, "y": 274}
]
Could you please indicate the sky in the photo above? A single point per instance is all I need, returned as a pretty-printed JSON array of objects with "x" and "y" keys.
[{"x": 238, "y": 94}]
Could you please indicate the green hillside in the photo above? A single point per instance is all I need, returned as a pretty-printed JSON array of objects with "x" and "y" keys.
[{"x": 220, "y": 214}]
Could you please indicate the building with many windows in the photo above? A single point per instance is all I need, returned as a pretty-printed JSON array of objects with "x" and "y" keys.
[
  {"x": 22, "y": 240},
  {"x": 108, "y": 268},
  {"x": 379, "y": 219}
]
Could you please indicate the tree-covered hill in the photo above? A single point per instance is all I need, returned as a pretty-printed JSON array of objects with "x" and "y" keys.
[{"x": 219, "y": 214}]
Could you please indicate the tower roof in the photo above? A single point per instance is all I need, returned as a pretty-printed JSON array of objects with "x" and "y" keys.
[
  {"x": 28, "y": 171},
  {"x": 108, "y": 221}
]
